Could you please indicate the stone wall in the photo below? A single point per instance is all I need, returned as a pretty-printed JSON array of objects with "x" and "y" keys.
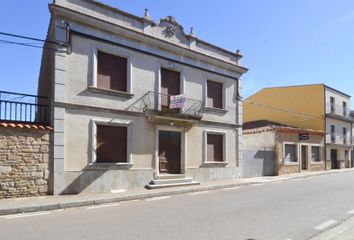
[{"x": 24, "y": 162}]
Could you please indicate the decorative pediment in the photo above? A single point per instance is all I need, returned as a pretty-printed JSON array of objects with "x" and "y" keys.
[{"x": 172, "y": 27}]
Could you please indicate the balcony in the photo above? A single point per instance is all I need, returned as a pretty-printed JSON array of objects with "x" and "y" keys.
[
  {"x": 24, "y": 108},
  {"x": 338, "y": 111},
  {"x": 167, "y": 109},
  {"x": 338, "y": 139}
]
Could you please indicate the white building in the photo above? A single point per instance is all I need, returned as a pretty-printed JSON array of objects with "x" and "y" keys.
[
  {"x": 338, "y": 128},
  {"x": 116, "y": 125}
]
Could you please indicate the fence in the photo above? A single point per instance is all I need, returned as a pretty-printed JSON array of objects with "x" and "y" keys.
[{"x": 25, "y": 108}]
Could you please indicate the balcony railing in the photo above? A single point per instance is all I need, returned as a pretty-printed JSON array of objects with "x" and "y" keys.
[
  {"x": 25, "y": 108},
  {"x": 175, "y": 106},
  {"x": 337, "y": 109}
]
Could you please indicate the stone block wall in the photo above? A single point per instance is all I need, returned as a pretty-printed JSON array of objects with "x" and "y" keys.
[{"x": 24, "y": 162}]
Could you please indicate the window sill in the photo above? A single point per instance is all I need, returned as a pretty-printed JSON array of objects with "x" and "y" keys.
[
  {"x": 317, "y": 163},
  {"x": 120, "y": 165},
  {"x": 215, "y": 110},
  {"x": 111, "y": 92},
  {"x": 214, "y": 164},
  {"x": 291, "y": 163}
]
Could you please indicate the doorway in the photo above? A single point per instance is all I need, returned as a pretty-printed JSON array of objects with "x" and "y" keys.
[
  {"x": 334, "y": 159},
  {"x": 170, "y": 85},
  {"x": 169, "y": 152},
  {"x": 304, "y": 157}
]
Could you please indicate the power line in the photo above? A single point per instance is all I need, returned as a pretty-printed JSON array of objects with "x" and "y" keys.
[
  {"x": 306, "y": 116},
  {"x": 27, "y": 45},
  {"x": 31, "y": 38}
]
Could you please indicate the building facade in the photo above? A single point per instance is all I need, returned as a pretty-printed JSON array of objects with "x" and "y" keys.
[
  {"x": 270, "y": 148},
  {"x": 317, "y": 107},
  {"x": 137, "y": 101}
]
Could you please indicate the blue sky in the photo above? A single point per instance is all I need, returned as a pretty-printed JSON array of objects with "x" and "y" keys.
[{"x": 283, "y": 42}]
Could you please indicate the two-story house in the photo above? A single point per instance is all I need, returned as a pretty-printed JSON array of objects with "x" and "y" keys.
[
  {"x": 316, "y": 107},
  {"x": 137, "y": 102}
]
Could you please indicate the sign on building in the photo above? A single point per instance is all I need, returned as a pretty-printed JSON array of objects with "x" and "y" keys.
[
  {"x": 304, "y": 136},
  {"x": 177, "y": 101}
]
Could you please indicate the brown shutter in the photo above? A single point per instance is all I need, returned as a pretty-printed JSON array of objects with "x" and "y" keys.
[
  {"x": 111, "y": 144},
  {"x": 214, "y": 148},
  {"x": 170, "y": 82},
  {"x": 214, "y": 94},
  {"x": 111, "y": 72}
]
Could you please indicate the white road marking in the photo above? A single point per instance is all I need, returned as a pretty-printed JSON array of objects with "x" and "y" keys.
[
  {"x": 118, "y": 191},
  {"x": 351, "y": 212},
  {"x": 157, "y": 198},
  {"x": 325, "y": 225},
  {"x": 228, "y": 189},
  {"x": 103, "y": 206},
  {"x": 24, "y": 215},
  {"x": 200, "y": 192}
]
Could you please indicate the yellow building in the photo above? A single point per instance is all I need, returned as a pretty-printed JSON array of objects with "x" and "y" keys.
[{"x": 316, "y": 107}]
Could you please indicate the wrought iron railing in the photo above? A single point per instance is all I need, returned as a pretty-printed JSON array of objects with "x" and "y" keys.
[
  {"x": 26, "y": 108},
  {"x": 162, "y": 104}
]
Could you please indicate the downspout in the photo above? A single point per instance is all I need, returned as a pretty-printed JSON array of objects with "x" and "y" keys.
[{"x": 325, "y": 127}]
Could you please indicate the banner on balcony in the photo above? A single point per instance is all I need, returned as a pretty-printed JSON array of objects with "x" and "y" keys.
[{"x": 176, "y": 101}]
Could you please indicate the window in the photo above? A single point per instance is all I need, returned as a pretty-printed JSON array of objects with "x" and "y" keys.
[
  {"x": 344, "y": 109},
  {"x": 333, "y": 138},
  {"x": 215, "y": 145},
  {"x": 332, "y": 100},
  {"x": 111, "y": 144},
  {"x": 315, "y": 154},
  {"x": 290, "y": 153},
  {"x": 214, "y": 95},
  {"x": 346, "y": 155},
  {"x": 111, "y": 72},
  {"x": 344, "y": 135}
]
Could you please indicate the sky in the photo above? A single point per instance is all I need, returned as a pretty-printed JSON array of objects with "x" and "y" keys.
[{"x": 283, "y": 42}]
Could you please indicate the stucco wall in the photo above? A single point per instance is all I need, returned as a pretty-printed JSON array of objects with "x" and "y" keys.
[
  {"x": 24, "y": 162},
  {"x": 294, "y": 167}
]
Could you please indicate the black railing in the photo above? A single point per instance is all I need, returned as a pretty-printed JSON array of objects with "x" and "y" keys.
[
  {"x": 26, "y": 108},
  {"x": 159, "y": 103}
]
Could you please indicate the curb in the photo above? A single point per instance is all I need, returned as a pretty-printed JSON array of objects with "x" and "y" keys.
[{"x": 141, "y": 196}]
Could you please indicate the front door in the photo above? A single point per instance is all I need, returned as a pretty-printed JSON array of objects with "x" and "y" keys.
[
  {"x": 169, "y": 152},
  {"x": 334, "y": 158},
  {"x": 304, "y": 157},
  {"x": 170, "y": 85}
]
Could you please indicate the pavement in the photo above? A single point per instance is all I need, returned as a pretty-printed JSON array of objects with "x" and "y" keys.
[
  {"x": 316, "y": 206},
  {"x": 47, "y": 203}
]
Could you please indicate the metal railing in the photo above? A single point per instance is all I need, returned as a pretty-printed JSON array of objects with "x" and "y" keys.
[
  {"x": 338, "y": 109},
  {"x": 162, "y": 104},
  {"x": 26, "y": 108}
]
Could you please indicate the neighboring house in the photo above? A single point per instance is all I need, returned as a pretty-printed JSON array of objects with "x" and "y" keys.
[
  {"x": 270, "y": 148},
  {"x": 137, "y": 101},
  {"x": 317, "y": 107}
]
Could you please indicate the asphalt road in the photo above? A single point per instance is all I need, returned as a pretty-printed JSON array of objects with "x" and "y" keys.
[{"x": 295, "y": 209}]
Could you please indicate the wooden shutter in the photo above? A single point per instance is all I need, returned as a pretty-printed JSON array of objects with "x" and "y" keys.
[
  {"x": 111, "y": 144},
  {"x": 214, "y": 94},
  {"x": 215, "y": 148},
  {"x": 111, "y": 72}
]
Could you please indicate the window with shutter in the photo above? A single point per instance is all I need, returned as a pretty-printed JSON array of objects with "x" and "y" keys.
[
  {"x": 214, "y": 94},
  {"x": 111, "y": 72},
  {"x": 111, "y": 144},
  {"x": 215, "y": 148}
]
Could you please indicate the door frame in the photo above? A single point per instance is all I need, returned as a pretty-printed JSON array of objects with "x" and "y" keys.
[
  {"x": 183, "y": 147},
  {"x": 172, "y": 67},
  {"x": 337, "y": 151},
  {"x": 308, "y": 156}
]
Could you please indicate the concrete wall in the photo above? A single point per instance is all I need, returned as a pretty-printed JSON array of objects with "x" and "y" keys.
[
  {"x": 304, "y": 99},
  {"x": 24, "y": 162},
  {"x": 258, "y": 154}
]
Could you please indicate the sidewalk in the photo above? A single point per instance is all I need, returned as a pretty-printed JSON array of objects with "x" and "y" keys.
[{"x": 47, "y": 203}]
